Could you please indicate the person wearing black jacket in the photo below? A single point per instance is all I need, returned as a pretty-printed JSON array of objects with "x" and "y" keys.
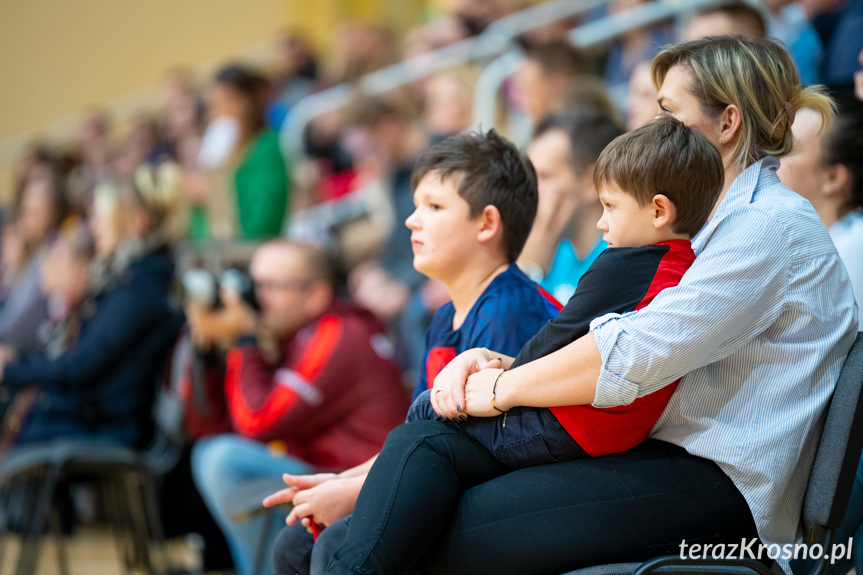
[{"x": 102, "y": 385}]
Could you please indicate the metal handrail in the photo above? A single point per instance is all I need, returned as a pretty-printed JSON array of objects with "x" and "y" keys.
[
  {"x": 586, "y": 36},
  {"x": 497, "y": 38}
]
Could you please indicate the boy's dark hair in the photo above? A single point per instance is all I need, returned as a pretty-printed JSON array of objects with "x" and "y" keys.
[
  {"x": 490, "y": 170},
  {"x": 666, "y": 157},
  {"x": 587, "y": 130}
]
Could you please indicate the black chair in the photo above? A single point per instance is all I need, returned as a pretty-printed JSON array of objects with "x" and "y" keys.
[
  {"x": 827, "y": 493},
  {"x": 128, "y": 485}
]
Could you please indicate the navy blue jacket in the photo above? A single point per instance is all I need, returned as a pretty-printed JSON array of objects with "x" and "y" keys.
[{"x": 103, "y": 386}]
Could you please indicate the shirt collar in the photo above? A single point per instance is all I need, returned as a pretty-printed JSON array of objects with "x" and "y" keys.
[{"x": 743, "y": 188}]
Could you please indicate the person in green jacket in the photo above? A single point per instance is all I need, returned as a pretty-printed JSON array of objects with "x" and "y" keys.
[{"x": 257, "y": 169}]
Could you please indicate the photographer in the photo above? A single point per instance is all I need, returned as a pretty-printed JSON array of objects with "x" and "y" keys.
[{"x": 307, "y": 373}]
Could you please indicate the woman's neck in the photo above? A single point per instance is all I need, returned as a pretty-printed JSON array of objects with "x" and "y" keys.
[{"x": 466, "y": 289}]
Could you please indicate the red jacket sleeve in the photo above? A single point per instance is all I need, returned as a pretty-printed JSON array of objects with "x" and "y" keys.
[{"x": 262, "y": 397}]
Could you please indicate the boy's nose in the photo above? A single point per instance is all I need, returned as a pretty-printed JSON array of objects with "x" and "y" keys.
[
  {"x": 413, "y": 221},
  {"x": 600, "y": 225}
]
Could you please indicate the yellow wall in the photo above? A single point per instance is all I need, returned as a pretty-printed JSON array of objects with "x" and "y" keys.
[{"x": 58, "y": 57}]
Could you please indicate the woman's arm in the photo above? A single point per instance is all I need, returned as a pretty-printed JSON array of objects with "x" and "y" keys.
[
  {"x": 734, "y": 291},
  {"x": 569, "y": 378}
]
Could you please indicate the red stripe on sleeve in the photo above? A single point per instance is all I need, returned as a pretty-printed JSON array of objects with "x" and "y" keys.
[
  {"x": 549, "y": 298},
  {"x": 281, "y": 399}
]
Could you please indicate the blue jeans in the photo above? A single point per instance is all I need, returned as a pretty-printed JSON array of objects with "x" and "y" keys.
[{"x": 222, "y": 464}]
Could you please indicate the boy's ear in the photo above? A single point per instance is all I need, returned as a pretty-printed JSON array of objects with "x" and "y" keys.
[
  {"x": 664, "y": 211},
  {"x": 490, "y": 224}
]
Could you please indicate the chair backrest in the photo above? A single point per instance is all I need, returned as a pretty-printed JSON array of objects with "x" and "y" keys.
[
  {"x": 838, "y": 454},
  {"x": 168, "y": 413}
]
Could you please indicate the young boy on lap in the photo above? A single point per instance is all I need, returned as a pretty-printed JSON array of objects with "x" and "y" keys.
[{"x": 658, "y": 185}]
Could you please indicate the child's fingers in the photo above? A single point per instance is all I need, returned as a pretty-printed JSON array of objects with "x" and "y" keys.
[{"x": 283, "y": 496}]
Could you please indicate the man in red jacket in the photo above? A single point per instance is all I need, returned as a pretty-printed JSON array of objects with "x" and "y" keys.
[{"x": 309, "y": 374}]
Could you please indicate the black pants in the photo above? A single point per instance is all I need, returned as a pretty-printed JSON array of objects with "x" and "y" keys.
[{"x": 438, "y": 502}]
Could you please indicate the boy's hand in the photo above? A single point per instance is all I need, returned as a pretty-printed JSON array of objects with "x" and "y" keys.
[
  {"x": 328, "y": 501},
  {"x": 297, "y": 483},
  {"x": 478, "y": 393},
  {"x": 447, "y": 397}
]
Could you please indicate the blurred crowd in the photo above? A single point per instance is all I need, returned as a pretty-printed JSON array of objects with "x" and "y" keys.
[{"x": 116, "y": 244}]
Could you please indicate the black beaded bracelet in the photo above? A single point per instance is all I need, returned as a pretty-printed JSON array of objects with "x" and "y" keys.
[{"x": 494, "y": 392}]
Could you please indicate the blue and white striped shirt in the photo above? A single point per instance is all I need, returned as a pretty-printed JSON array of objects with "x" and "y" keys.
[{"x": 760, "y": 326}]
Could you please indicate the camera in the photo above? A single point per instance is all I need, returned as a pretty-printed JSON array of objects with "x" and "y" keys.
[{"x": 202, "y": 287}]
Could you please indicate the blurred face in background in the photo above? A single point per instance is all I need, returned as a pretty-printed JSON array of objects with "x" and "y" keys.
[
  {"x": 532, "y": 90},
  {"x": 641, "y": 106},
  {"x": 115, "y": 219},
  {"x": 448, "y": 106},
  {"x": 66, "y": 273},
  {"x": 288, "y": 295},
  {"x": 37, "y": 215},
  {"x": 557, "y": 180},
  {"x": 225, "y": 101},
  {"x": 802, "y": 169}
]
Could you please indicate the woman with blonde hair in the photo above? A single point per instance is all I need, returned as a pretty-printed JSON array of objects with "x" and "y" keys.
[
  {"x": 746, "y": 329},
  {"x": 102, "y": 385}
]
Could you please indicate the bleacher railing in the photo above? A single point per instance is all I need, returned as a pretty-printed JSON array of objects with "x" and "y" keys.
[{"x": 498, "y": 38}]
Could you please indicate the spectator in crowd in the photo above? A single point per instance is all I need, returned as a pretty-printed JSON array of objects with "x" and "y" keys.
[
  {"x": 359, "y": 49},
  {"x": 295, "y": 75},
  {"x": 544, "y": 78},
  {"x": 259, "y": 196},
  {"x": 637, "y": 46},
  {"x": 641, "y": 106},
  {"x": 838, "y": 24},
  {"x": 858, "y": 79},
  {"x": 41, "y": 208},
  {"x": 590, "y": 92},
  {"x": 825, "y": 168},
  {"x": 787, "y": 21},
  {"x": 734, "y": 323},
  {"x": 727, "y": 19},
  {"x": 448, "y": 105},
  {"x": 93, "y": 148},
  {"x": 442, "y": 31},
  {"x": 102, "y": 386},
  {"x": 65, "y": 281},
  {"x": 564, "y": 240},
  {"x": 181, "y": 116},
  {"x": 317, "y": 380}
]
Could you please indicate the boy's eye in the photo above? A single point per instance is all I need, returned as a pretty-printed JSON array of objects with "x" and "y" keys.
[{"x": 435, "y": 207}]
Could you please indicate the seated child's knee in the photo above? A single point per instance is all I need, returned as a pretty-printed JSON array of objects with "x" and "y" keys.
[{"x": 421, "y": 408}]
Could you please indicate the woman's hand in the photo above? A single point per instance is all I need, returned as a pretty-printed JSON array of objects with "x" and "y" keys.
[
  {"x": 447, "y": 397},
  {"x": 478, "y": 393},
  {"x": 327, "y": 502}
]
